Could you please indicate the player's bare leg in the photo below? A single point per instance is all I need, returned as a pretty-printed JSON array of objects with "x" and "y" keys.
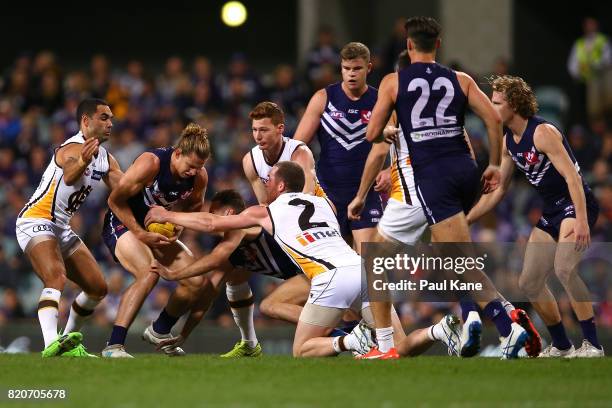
[
  {"x": 313, "y": 341},
  {"x": 420, "y": 340},
  {"x": 286, "y": 301},
  {"x": 455, "y": 230},
  {"x": 83, "y": 269},
  {"x": 136, "y": 258},
  {"x": 566, "y": 269},
  {"x": 242, "y": 304},
  {"x": 381, "y": 310},
  {"x": 47, "y": 262}
]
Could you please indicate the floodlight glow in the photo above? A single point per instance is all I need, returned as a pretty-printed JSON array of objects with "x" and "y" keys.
[{"x": 233, "y": 13}]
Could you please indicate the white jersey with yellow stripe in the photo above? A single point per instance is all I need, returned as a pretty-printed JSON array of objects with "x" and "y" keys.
[
  {"x": 402, "y": 175},
  {"x": 55, "y": 201},
  {"x": 263, "y": 167},
  {"x": 306, "y": 228}
]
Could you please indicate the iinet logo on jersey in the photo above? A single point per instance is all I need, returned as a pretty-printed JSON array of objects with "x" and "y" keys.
[{"x": 307, "y": 238}]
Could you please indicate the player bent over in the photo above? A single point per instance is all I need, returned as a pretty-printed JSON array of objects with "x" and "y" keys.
[
  {"x": 171, "y": 177},
  {"x": 306, "y": 228}
]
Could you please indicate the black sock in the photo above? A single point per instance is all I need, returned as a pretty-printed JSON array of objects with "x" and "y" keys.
[
  {"x": 118, "y": 335},
  {"x": 164, "y": 322}
]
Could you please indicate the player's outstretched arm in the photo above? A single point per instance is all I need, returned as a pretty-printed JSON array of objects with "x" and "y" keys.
[
  {"x": 74, "y": 159},
  {"x": 311, "y": 119},
  {"x": 548, "y": 140},
  {"x": 490, "y": 200},
  {"x": 249, "y": 171},
  {"x": 212, "y": 261},
  {"x": 207, "y": 222},
  {"x": 383, "y": 108}
]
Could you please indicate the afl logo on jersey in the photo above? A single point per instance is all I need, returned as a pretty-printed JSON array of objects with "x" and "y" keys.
[
  {"x": 531, "y": 158},
  {"x": 365, "y": 116},
  {"x": 336, "y": 115}
]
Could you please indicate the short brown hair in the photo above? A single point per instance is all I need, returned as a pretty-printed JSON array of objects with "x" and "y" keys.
[
  {"x": 517, "y": 92},
  {"x": 229, "y": 198},
  {"x": 292, "y": 175},
  {"x": 354, "y": 50},
  {"x": 424, "y": 32},
  {"x": 268, "y": 110},
  {"x": 194, "y": 139}
]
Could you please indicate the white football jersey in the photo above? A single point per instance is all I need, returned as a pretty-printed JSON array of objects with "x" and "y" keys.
[
  {"x": 55, "y": 201},
  {"x": 402, "y": 175},
  {"x": 263, "y": 168},
  {"x": 261, "y": 165},
  {"x": 306, "y": 228}
]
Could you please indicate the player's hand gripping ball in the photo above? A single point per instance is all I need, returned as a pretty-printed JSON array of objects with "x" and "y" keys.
[{"x": 167, "y": 229}]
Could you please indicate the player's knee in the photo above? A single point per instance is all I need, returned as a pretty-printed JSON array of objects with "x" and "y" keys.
[
  {"x": 298, "y": 350},
  {"x": 529, "y": 285},
  {"x": 98, "y": 291},
  {"x": 267, "y": 307},
  {"x": 55, "y": 277},
  {"x": 193, "y": 285},
  {"x": 564, "y": 274}
]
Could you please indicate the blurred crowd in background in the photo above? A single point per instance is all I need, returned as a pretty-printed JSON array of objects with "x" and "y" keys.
[{"x": 38, "y": 99}]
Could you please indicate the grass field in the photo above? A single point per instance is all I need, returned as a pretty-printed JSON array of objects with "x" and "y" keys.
[{"x": 280, "y": 381}]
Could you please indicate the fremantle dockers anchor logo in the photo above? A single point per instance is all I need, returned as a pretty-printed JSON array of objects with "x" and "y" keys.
[{"x": 77, "y": 198}]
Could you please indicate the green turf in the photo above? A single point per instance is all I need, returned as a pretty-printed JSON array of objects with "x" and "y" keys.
[{"x": 208, "y": 381}]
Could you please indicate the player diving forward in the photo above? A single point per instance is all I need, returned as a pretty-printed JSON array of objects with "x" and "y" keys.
[{"x": 306, "y": 229}]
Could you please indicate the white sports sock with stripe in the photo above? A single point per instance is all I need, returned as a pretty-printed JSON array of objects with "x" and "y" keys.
[{"x": 48, "y": 306}]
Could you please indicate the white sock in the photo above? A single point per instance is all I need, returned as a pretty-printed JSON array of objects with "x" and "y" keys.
[
  {"x": 508, "y": 306},
  {"x": 84, "y": 310},
  {"x": 384, "y": 338},
  {"x": 436, "y": 332},
  {"x": 348, "y": 342},
  {"x": 241, "y": 303},
  {"x": 48, "y": 306}
]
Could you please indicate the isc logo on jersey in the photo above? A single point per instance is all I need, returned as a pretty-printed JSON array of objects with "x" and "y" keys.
[{"x": 307, "y": 238}]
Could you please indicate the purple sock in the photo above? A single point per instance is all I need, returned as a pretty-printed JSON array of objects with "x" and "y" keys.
[
  {"x": 118, "y": 335},
  {"x": 495, "y": 311},
  {"x": 559, "y": 337},
  {"x": 467, "y": 306},
  {"x": 589, "y": 331},
  {"x": 164, "y": 322}
]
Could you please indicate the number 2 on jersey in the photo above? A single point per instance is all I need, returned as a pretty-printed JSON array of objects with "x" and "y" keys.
[
  {"x": 417, "y": 110},
  {"x": 306, "y": 215}
]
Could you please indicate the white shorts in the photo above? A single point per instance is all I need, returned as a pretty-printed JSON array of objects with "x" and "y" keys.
[
  {"x": 331, "y": 293},
  {"x": 34, "y": 230},
  {"x": 340, "y": 288},
  {"x": 402, "y": 222}
]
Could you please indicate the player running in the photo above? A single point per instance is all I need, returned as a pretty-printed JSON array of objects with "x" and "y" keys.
[
  {"x": 44, "y": 234},
  {"x": 542, "y": 153}
]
